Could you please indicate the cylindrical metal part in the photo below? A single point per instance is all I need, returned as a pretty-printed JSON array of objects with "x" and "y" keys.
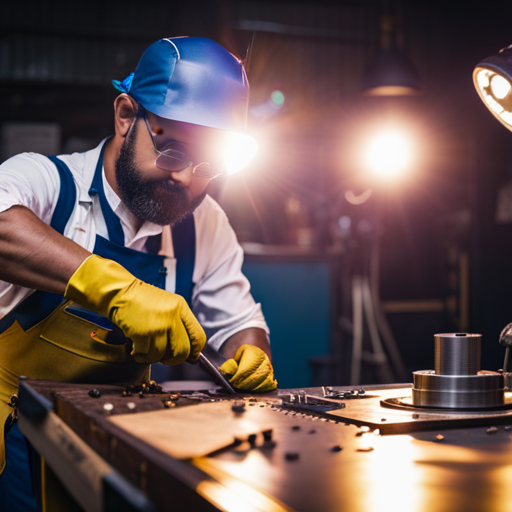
[
  {"x": 457, "y": 381},
  {"x": 458, "y": 391},
  {"x": 457, "y": 353}
]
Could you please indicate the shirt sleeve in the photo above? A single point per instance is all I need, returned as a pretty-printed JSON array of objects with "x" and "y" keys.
[
  {"x": 221, "y": 299},
  {"x": 29, "y": 180}
]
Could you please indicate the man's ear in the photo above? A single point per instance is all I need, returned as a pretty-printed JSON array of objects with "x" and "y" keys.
[{"x": 125, "y": 111}]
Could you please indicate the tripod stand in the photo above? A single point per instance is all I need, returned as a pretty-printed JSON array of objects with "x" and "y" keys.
[{"x": 372, "y": 344}]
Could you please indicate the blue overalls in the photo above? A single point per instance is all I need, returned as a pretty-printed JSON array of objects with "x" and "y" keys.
[{"x": 46, "y": 337}]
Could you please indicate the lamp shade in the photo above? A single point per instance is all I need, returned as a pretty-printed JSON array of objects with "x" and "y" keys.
[
  {"x": 492, "y": 78},
  {"x": 390, "y": 73}
]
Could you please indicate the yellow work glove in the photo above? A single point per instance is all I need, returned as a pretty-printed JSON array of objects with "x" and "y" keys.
[
  {"x": 160, "y": 324},
  {"x": 250, "y": 370}
]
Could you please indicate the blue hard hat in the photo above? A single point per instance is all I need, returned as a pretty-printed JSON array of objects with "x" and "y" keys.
[{"x": 191, "y": 79}]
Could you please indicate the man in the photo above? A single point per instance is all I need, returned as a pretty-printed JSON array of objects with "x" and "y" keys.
[{"x": 121, "y": 243}]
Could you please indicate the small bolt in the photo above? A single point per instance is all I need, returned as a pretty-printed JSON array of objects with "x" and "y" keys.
[
  {"x": 238, "y": 406},
  {"x": 492, "y": 430},
  {"x": 94, "y": 393}
]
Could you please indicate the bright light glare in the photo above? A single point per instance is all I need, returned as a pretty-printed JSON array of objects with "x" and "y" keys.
[
  {"x": 500, "y": 86},
  {"x": 389, "y": 154},
  {"x": 240, "y": 150}
]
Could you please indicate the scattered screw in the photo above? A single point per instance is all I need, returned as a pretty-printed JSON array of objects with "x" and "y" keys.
[
  {"x": 336, "y": 448},
  {"x": 439, "y": 437},
  {"x": 492, "y": 430},
  {"x": 291, "y": 456},
  {"x": 94, "y": 393}
]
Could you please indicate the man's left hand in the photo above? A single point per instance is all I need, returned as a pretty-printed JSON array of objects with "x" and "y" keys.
[{"x": 250, "y": 370}]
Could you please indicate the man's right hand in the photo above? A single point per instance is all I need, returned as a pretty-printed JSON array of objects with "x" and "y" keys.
[{"x": 160, "y": 324}]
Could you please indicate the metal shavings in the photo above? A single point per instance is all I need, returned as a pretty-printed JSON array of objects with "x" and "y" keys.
[{"x": 491, "y": 430}]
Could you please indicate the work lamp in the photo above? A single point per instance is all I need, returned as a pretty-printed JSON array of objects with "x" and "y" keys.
[{"x": 493, "y": 81}]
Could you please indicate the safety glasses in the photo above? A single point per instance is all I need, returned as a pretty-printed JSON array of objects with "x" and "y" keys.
[
  {"x": 239, "y": 150},
  {"x": 173, "y": 157}
]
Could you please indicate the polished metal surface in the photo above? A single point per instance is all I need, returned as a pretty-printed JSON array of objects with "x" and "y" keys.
[
  {"x": 215, "y": 373},
  {"x": 485, "y": 389},
  {"x": 457, "y": 353},
  {"x": 457, "y": 381}
]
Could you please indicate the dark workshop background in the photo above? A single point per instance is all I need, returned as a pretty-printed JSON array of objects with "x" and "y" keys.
[{"x": 445, "y": 256}]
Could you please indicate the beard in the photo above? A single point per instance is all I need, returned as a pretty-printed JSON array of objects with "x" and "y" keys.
[{"x": 163, "y": 202}]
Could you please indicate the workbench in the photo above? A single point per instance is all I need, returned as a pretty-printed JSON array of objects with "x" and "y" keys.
[{"x": 115, "y": 449}]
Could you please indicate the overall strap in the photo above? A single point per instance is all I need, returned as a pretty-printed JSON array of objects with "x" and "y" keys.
[
  {"x": 114, "y": 228},
  {"x": 39, "y": 305},
  {"x": 184, "y": 241}
]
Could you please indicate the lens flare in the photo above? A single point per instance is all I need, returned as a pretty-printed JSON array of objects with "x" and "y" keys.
[
  {"x": 241, "y": 149},
  {"x": 389, "y": 155}
]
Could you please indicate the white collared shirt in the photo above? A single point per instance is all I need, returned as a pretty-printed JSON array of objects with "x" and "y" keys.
[{"x": 221, "y": 298}]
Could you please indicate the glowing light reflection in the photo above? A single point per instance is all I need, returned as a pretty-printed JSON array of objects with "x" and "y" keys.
[
  {"x": 389, "y": 155},
  {"x": 393, "y": 463},
  {"x": 241, "y": 149},
  {"x": 500, "y": 86}
]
